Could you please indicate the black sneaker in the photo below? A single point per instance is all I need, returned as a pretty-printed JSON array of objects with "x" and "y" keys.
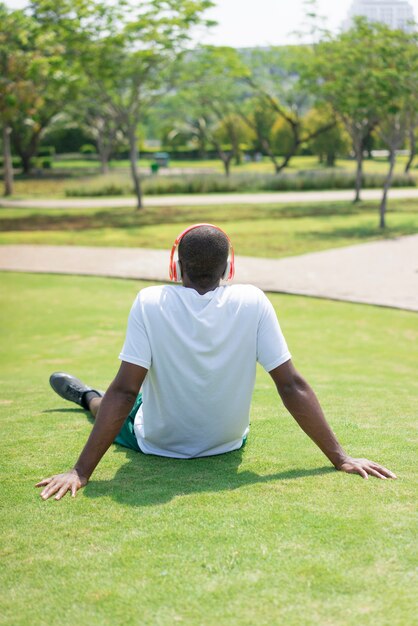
[{"x": 70, "y": 388}]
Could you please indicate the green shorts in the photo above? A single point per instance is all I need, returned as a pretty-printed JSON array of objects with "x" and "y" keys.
[{"x": 126, "y": 435}]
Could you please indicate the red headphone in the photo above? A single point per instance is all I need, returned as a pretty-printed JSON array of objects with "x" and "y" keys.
[{"x": 175, "y": 269}]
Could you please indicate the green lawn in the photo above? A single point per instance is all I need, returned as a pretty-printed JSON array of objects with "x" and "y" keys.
[
  {"x": 271, "y": 535},
  {"x": 66, "y": 174},
  {"x": 262, "y": 230}
]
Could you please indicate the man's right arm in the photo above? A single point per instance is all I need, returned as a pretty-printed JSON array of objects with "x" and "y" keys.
[
  {"x": 114, "y": 408},
  {"x": 302, "y": 403}
]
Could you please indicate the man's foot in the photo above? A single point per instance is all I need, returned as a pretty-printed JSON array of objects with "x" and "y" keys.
[{"x": 72, "y": 389}]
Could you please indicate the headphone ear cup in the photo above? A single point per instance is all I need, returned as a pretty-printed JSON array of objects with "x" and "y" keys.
[
  {"x": 177, "y": 271},
  {"x": 226, "y": 274}
]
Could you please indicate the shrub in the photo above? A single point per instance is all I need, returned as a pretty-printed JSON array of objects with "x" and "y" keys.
[
  {"x": 215, "y": 183},
  {"x": 46, "y": 164},
  {"x": 88, "y": 148},
  {"x": 110, "y": 189},
  {"x": 46, "y": 151},
  {"x": 16, "y": 162}
]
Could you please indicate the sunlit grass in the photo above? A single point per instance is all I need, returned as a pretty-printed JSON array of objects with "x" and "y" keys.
[
  {"x": 271, "y": 535},
  {"x": 263, "y": 230}
]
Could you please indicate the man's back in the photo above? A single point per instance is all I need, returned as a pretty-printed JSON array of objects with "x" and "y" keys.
[{"x": 201, "y": 353}]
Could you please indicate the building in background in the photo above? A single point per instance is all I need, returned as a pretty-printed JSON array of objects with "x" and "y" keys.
[{"x": 397, "y": 14}]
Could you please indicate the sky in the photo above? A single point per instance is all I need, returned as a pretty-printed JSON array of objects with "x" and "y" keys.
[{"x": 250, "y": 23}]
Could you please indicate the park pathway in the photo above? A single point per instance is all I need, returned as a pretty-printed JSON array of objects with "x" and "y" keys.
[
  {"x": 383, "y": 273},
  {"x": 276, "y": 197}
]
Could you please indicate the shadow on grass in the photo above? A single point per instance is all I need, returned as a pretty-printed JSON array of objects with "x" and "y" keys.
[
  {"x": 370, "y": 231},
  {"x": 150, "y": 480},
  {"x": 121, "y": 219}
]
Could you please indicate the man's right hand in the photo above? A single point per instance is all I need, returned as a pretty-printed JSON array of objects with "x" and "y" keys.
[{"x": 61, "y": 483}]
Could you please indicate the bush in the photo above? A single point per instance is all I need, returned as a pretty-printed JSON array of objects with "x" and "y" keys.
[
  {"x": 88, "y": 148},
  {"x": 110, "y": 189},
  {"x": 46, "y": 151},
  {"x": 216, "y": 183},
  {"x": 46, "y": 164},
  {"x": 16, "y": 162}
]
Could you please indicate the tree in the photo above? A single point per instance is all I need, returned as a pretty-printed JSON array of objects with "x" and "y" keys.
[
  {"x": 98, "y": 122},
  {"x": 412, "y": 139},
  {"x": 398, "y": 76},
  {"x": 191, "y": 129},
  {"x": 281, "y": 137},
  {"x": 127, "y": 51},
  {"x": 276, "y": 78},
  {"x": 344, "y": 75},
  {"x": 261, "y": 119},
  {"x": 234, "y": 133},
  {"x": 133, "y": 78},
  {"x": 38, "y": 78},
  {"x": 210, "y": 90},
  {"x": 368, "y": 75},
  {"x": 17, "y": 64},
  {"x": 331, "y": 143}
]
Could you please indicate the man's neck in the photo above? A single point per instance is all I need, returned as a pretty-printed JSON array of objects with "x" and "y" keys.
[{"x": 200, "y": 290}]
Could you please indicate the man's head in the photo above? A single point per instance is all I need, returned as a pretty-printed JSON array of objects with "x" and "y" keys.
[{"x": 203, "y": 254}]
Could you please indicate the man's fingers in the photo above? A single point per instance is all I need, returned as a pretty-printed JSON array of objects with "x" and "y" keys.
[
  {"x": 62, "y": 491},
  {"x": 374, "y": 472},
  {"x": 50, "y": 490},
  {"x": 383, "y": 470},
  {"x": 43, "y": 482},
  {"x": 356, "y": 469},
  {"x": 362, "y": 473},
  {"x": 364, "y": 467}
]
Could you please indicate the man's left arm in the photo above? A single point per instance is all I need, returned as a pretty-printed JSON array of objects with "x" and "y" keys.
[{"x": 302, "y": 403}]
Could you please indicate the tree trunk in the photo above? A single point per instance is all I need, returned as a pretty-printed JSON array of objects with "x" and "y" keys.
[
  {"x": 359, "y": 174},
  {"x": 103, "y": 156},
  {"x": 235, "y": 147},
  {"x": 104, "y": 166},
  {"x": 7, "y": 162},
  {"x": 27, "y": 150},
  {"x": 226, "y": 160},
  {"x": 267, "y": 150},
  {"x": 105, "y": 141},
  {"x": 133, "y": 157},
  {"x": 26, "y": 161},
  {"x": 388, "y": 182},
  {"x": 330, "y": 159},
  {"x": 412, "y": 149},
  {"x": 286, "y": 160},
  {"x": 201, "y": 151},
  {"x": 224, "y": 156}
]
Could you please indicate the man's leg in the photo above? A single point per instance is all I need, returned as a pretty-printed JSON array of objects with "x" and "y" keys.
[
  {"x": 93, "y": 404},
  {"x": 74, "y": 390}
]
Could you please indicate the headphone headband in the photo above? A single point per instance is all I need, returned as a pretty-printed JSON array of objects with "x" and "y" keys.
[{"x": 174, "y": 267}]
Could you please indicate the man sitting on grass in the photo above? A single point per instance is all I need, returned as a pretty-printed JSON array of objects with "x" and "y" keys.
[{"x": 193, "y": 350}]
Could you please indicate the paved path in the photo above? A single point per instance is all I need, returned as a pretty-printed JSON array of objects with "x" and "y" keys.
[
  {"x": 288, "y": 197},
  {"x": 383, "y": 272}
]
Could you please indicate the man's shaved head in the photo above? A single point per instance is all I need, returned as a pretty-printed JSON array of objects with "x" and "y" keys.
[{"x": 203, "y": 253}]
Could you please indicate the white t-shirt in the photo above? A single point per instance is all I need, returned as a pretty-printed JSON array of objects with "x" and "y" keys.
[{"x": 201, "y": 353}]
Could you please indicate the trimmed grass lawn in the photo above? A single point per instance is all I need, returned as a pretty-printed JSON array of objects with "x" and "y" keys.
[
  {"x": 268, "y": 535},
  {"x": 262, "y": 230}
]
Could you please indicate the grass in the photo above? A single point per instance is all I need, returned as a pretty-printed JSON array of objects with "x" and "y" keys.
[
  {"x": 271, "y": 535},
  {"x": 79, "y": 173},
  {"x": 262, "y": 230}
]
